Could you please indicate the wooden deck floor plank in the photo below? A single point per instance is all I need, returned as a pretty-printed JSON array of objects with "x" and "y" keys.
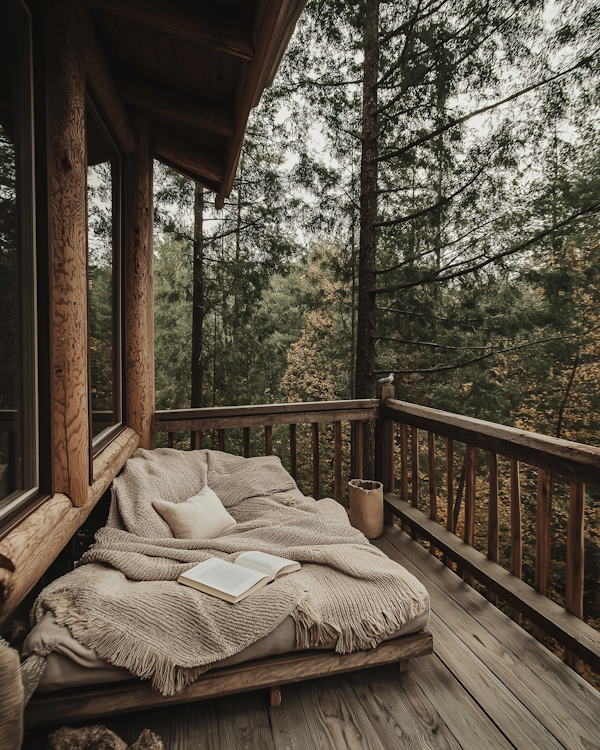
[
  {"x": 399, "y": 710},
  {"x": 242, "y": 722},
  {"x": 571, "y": 728},
  {"x": 542, "y": 661},
  {"x": 469, "y": 724},
  {"x": 337, "y": 719},
  {"x": 291, "y": 727}
]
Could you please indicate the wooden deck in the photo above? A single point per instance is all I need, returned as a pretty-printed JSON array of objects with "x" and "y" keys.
[{"x": 488, "y": 685}]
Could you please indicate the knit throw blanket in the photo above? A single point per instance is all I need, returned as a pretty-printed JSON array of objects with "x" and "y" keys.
[{"x": 123, "y": 600}]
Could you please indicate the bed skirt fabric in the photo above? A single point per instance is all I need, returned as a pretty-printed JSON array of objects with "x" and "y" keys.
[{"x": 123, "y": 601}]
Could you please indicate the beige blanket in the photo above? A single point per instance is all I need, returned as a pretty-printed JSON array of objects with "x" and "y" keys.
[{"x": 124, "y": 602}]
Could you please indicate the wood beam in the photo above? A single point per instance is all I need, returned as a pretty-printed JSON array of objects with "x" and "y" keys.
[
  {"x": 166, "y": 145},
  {"x": 35, "y": 543},
  {"x": 190, "y": 20},
  {"x": 177, "y": 105},
  {"x": 139, "y": 285}
]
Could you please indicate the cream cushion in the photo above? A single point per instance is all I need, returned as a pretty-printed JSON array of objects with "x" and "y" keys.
[{"x": 200, "y": 517}]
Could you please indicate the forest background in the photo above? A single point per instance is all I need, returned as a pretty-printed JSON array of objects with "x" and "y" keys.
[{"x": 418, "y": 193}]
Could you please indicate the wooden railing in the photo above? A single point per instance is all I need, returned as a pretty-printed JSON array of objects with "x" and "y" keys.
[
  {"x": 399, "y": 450},
  {"x": 198, "y": 421},
  {"x": 551, "y": 457}
]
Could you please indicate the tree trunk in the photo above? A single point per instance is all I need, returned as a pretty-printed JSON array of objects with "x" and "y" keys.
[
  {"x": 365, "y": 341},
  {"x": 198, "y": 306}
]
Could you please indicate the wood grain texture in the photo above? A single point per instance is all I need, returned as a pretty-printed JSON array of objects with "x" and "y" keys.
[
  {"x": 177, "y": 105},
  {"x": 384, "y": 444},
  {"x": 504, "y": 649},
  {"x": 36, "y": 542},
  {"x": 221, "y": 439},
  {"x": 182, "y": 153},
  {"x": 65, "y": 57},
  {"x": 358, "y": 468},
  {"x": 269, "y": 440},
  {"x": 568, "y": 630},
  {"x": 139, "y": 284},
  {"x": 316, "y": 468},
  {"x": 554, "y": 454},
  {"x": 228, "y": 34},
  {"x": 493, "y": 518},
  {"x": 293, "y": 452},
  {"x": 369, "y": 405},
  {"x": 279, "y": 670},
  {"x": 197, "y": 440},
  {"x": 227, "y": 422},
  {"x": 337, "y": 461},
  {"x": 516, "y": 528}
]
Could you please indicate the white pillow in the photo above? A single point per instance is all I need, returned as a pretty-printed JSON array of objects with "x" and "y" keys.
[{"x": 200, "y": 517}]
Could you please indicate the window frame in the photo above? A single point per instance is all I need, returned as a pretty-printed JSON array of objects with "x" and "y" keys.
[{"x": 104, "y": 438}]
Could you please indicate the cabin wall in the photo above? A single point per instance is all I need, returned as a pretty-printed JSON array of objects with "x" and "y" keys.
[{"x": 75, "y": 66}]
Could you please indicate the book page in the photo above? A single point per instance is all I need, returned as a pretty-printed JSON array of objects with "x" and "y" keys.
[
  {"x": 270, "y": 565},
  {"x": 224, "y": 576}
]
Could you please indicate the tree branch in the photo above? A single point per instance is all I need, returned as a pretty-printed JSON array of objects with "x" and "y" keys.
[{"x": 482, "y": 110}]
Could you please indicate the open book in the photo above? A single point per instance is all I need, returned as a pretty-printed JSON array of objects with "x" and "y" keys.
[{"x": 234, "y": 581}]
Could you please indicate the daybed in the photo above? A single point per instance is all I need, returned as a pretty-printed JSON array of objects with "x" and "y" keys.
[{"x": 120, "y": 619}]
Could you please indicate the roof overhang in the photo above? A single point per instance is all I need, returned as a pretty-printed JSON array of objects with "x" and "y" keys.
[{"x": 197, "y": 68}]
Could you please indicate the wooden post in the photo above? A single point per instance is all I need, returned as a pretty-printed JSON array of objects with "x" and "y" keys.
[
  {"x": 415, "y": 474},
  {"x": 543, "y": 541},
  {"x": 139, "y": 284},
  {"x": 493, "y": 520},
  {"x": 337, "y": 469},
  {"x": 449, "y": 492},
  {"x": 470, "y": 477},
  {"x": 170, "y": 439},
  {"x": 575, "y": 557},
  {"x": 275, "y": 696},
  {"x": 358, "y": 468},
  {"x": 221, "y": 434},
  {"x": 316, "y": 461},
  {"x": 432, "y": 481},
  {"x": 246, "y": 442},
  {"x": 383, "y": 449},
  {"x": 293, "y": 452},
  {"x": 404, "y": 468},
  {"x": 67, "y": 177},
  {"x": 516, "y": 538},
  {"x": 196, "y": 440},
  {"x": 269, "y": 440}
]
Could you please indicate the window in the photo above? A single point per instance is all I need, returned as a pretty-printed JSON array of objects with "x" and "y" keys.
[
  {"x": 104, "y": 281},
  {"x": 18, "y": 405}
]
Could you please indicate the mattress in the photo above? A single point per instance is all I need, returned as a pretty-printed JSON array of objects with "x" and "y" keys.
[{"x": 70, "y": 664}]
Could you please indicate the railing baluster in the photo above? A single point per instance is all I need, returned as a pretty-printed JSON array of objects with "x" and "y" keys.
[
  {"x": 337, "y": 468},
  {"x": 516, "y": 533},
  {"x": 543, "y": 541},
  {"x": 392, "y": 460},
  {"x": 470, "y": 477},
  {"x": 196, "y": 440},
  {"x": 432, "y": 482},
  {"x": 493, "y": 520},
  {"x": 575, "y": 557},
  {"x": 246, "y": 442},
  {"x": 415, "y": 474},
  {"x": 315, "y": 447},
  {"x": 170, "y": 439},
  {"x": 358, "y": 469},
  {"x": 449, "y": 491},
  {"x": 404, "y": 468},
  {"x": 293, "y": 454},
  {"x": 269, "y": 440},
  {"x": 221, "y": 434}
]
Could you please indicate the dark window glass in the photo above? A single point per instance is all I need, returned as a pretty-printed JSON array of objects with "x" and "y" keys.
[
  {"x": 18, "y": 442},
  {"x": 104, "y": 279}
]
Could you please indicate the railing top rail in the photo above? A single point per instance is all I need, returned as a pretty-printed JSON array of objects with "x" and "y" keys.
[
  {"x": 575, "y": 460},
  {"x": 237, "y": 416}
]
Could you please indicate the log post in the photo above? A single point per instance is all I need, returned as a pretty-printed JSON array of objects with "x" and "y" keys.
[
  {"x": 139, "y": 285},
  {"x": 67, "y": 177},
  {"x": 383, "y": 436}
]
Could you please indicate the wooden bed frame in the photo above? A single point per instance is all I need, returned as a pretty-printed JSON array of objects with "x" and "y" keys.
[{"x": 116, "y": 698}]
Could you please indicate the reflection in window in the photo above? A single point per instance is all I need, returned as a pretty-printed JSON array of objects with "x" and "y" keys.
[
  {"x": 18, "y": 469},
  {"x": 103, "y": 277}
]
